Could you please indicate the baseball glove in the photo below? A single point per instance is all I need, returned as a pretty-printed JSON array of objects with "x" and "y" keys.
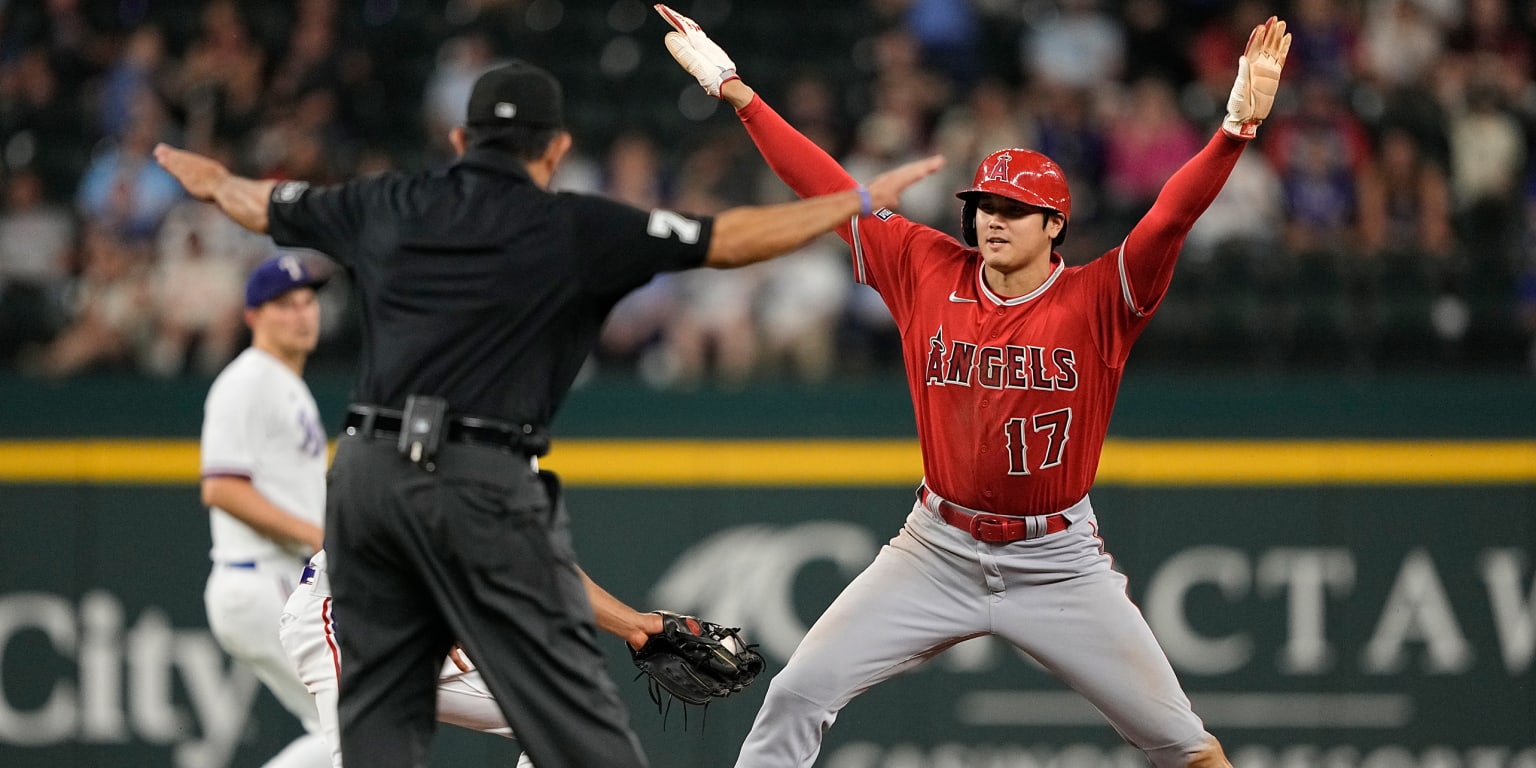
[{"x": 696, "y": 661}]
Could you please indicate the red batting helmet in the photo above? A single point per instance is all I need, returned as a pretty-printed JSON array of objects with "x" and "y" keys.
[{"x": 1018, "y": 174}]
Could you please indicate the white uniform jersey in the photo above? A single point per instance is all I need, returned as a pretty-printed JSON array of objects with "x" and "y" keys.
[{"x": 260, "y": 422}]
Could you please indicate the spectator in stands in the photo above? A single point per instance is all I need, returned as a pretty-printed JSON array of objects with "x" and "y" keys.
[
  {"x": 1320, "y": 114},
  {"x": 1489, "y": 42},
  {"x": 1218, "y": 42},
  {"x": 892, "y": 134},
  {"x": 945, "y": 31},
  {"x": 1245, "y": 220},
  {"x": 37, "y": 242},
  {"x": 220, "y": 84},
  {"x": 1081, "y": 45},
  {"x": 1405, "y": 263},
  {"x": 313, "y": 58},
  {"x": 1321, "y": 222},
  {"x": 811, "y": 101},
  {"x": 1239, "y": 281},
  {"x": 1400, "y": 42},
  {"x": 713, "y": 331},
  {"x": 43, "y": 125},
  {"x": 141, "y": 69},
  {"x": 1157, "y": 39},
  {"x": 124, "y": 188},
  {"x": 1070, "y": 134},
  {"x": 75, "y": 48},
  {"x": 197, "y": 287},
  {"x": 900, "y": 84},
  {"x": 318, "y": 88},
  {"x": 1488, "y": 159},
  {"x": 460, "y": 60},
  {"x": 1405, "y": 202},
  {"x": 1325, "y": 43},
  {"x": 632, "y": 337},
  {"x": 802, "y": 299},
  {"x": 1321, "y": 197},
  {"x": 111, "y": 314},
  {"x": 302, "y": 140},
  {"x": 634, "y": 172},
  {"x": 1151, "y": 140}
]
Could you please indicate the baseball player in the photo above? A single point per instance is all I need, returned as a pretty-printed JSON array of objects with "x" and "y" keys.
[
  {"x": 263, "y": 479},
  {"x": 308, "y": 633},
  {"x": 1013, "y": 360}
]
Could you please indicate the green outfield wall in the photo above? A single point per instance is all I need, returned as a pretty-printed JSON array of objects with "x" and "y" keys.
[{"x": 1353, "y": 585}]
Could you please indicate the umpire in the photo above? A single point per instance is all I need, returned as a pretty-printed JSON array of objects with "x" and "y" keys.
[{"x": 482, "y": 292}]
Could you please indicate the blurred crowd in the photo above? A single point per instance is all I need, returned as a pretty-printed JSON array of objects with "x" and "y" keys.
[{"x": 1386, "y": 217}]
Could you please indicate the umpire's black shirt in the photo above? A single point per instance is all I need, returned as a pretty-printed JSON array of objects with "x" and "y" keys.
[{"x": 477, "y": 285}]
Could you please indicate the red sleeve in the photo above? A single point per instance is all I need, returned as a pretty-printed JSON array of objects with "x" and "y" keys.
[
  {"x": 805, "y": 167},
  {"x": 1152, "y": 247},
  {"x": 882, "y": 244}
]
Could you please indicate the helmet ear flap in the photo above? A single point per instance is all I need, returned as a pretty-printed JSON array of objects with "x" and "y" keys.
[{"x": 968, "y": 222}]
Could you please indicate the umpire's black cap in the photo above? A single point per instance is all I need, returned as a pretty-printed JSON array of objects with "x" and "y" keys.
[{"x": 516, "y": 93}]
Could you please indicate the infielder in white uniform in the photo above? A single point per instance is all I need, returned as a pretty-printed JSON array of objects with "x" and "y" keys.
[
  {"x": 308, "y": 632},
  {"x": 263, "y": 479}
]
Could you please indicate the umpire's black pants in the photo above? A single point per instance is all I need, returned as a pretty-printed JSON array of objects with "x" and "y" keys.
[{"x": 477, "y": 552}]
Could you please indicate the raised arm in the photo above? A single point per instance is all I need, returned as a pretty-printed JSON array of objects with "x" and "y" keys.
[
  {"x": 832, "y": 197},
  {"x": 242, "y": 199},
  {"x": 1153, "y": 244},
  {"x": 798, "y": 161}
]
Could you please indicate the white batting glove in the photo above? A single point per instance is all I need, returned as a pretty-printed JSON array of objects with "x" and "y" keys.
[
  {"x": 697, "y": 53},
  {"x": 1258, "y": 78}
]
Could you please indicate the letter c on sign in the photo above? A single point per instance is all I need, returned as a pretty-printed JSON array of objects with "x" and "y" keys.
[{"x": 55, "y": 720}]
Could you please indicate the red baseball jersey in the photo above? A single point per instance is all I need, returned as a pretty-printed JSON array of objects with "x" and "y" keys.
[{"x": 1012, "y": 395}]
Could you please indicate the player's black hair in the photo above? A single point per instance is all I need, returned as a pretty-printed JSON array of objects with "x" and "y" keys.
[
  {"x": 968, "y": 225},
  {"x": 524, "y": 142}
]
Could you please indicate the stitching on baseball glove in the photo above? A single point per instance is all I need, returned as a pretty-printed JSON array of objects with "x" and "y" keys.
[{"x": 695, "y": 662}]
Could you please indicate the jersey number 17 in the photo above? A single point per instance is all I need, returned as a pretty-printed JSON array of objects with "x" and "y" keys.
[{"x": 1051, "y": 428}]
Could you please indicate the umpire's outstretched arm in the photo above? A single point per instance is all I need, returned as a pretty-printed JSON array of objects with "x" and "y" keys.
[
  {"x": 242, "y": 199},
  {"x": 754, "y": 233},
  {"x": 743, "y": 235}
]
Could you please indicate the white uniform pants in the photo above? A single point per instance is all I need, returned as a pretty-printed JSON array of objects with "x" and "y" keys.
[
  {"x": 309, "y": 636},
  {"x": 244, "y": 601},
  {"x": 1055, "y": 597}
]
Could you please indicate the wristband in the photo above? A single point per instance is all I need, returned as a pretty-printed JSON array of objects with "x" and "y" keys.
[{"x": 864, "y": 203}]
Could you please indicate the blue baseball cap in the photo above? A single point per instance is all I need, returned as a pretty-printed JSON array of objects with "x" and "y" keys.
[{"x": 277, "y": 276}]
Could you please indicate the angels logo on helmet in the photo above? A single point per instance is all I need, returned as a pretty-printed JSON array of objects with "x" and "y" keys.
[{"x": 999, "y": 170}]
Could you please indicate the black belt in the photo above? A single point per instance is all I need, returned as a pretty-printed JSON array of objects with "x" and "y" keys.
[{"x": 373, "y": 421}]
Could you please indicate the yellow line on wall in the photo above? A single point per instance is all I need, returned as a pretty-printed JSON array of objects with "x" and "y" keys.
[
  {"x": 1314, "y": 462},
  {"x": 865, "y": 462}
]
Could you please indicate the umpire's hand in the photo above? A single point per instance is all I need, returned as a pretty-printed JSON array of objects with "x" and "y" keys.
[
  {"x": 242, "y": 199},
  {"x": 200, "y": 175}
]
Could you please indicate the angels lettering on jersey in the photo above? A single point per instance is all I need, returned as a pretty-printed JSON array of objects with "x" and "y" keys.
[{"x": 1009, "y": 366}]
